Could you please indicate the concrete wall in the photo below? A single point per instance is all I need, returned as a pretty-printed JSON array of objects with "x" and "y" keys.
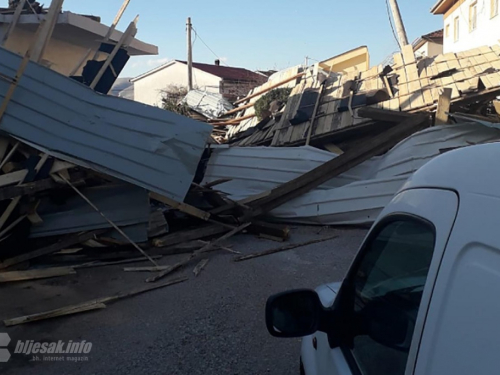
[
  {"x": 148, "y": 89},
  {"x": 59, "y": 55},
  {"x": 487, "y": 31}
]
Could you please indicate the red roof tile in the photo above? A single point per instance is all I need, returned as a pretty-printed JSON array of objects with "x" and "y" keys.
[
  {"x": 435, "y": 36},
  {"x": 226, "y": 72}
]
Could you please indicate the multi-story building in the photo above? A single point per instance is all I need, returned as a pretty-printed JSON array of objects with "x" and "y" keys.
[{"x": 469, "y": 23}]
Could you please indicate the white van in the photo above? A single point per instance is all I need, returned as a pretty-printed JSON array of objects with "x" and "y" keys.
[{"x": 423, "y": 294}]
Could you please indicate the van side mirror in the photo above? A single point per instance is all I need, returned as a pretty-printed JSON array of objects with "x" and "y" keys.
[{"x": 293, "y": 314}]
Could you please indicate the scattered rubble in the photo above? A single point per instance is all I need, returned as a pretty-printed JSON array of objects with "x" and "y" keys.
[{"x": 90, "y": 180}]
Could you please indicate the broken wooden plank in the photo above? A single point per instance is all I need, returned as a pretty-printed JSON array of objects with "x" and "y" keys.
[
  {"x": 276, "y": 85},
  {"x": 168, "y": 271},
  {"x": 183, "y": 207},
  {"x": 9, "y": 192},
  {"x": 283, "y": 248},
  {"x": 189, "y": 235},
  {"x": 13, "y": 23},
  {"x": 87, "y": 306},
  {"x": 212, "y": 244},
  {"x": 443, "y": 107},
  {"x": 70, "y": 310},
  {"x": 62, "y": 244},
  {"x": 147, "y": 269},
  {"x": 117, "y": 262},
  {"x": 118, "y": 229},
  {"x": 6, "y": 277},
  {"x": 199, "y": 267},
  {"x": 124, "y": 40}
]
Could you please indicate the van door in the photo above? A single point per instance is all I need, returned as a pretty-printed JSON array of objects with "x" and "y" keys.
[{"x": 387, "y": 290}]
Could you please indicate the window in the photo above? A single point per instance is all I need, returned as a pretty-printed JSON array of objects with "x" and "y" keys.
[
  {"x": 456, "y": 29},
  {"x": 447, "y": 31},
  {"x": 473, "y": 17},
  {"x": 386, "y": 287},
  {"x": 494, "y": 8}
]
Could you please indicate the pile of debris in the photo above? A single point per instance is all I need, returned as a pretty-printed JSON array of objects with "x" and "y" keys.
[
  {"x": 90, "y": 180},
  {"x": 340, "y": 115}
]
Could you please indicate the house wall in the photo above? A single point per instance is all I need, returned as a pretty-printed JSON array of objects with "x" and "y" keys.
[
  {"x": 148, "y": 89},
  {"x": 434, "y": 49},
  {"x": 487, "y": 31},
  {"x": 59, "y": 55},
  {"x": 429, "y": 49}
]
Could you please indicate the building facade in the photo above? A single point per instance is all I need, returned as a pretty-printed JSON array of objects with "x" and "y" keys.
[
  {"x": 468, "y": 23},
  {"x": 73, "y": 36},
  {"x": 230, "y": 82}
]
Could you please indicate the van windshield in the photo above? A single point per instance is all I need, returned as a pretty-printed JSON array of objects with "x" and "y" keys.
[{"x": 388, "y": 285}]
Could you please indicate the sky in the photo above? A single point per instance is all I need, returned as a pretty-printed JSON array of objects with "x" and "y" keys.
[{"x": 262, "y": 34}]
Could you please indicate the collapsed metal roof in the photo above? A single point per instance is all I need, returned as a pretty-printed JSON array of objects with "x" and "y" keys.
[{"x": 146, "y": 146}]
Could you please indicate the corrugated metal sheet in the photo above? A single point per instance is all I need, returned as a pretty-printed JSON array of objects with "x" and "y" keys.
[
  {"x": 208, "y": 104},
  {"x": 146, "y": 146},
  {"x": 126, "y": 205},
  {"x": 355, "y": 197}
]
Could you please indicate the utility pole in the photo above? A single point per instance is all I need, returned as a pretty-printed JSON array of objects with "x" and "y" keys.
[
  {"x": 190, "y": 55},
  {"x": 398, "y": 23}
]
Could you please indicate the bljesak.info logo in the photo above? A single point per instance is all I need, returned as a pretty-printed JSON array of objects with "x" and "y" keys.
[{"x": 57, "y": 351}]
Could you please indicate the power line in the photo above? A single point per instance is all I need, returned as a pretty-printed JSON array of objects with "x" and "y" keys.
[
  {"x": 392, "y": 26},
  {"x": 206, "y": 45}
]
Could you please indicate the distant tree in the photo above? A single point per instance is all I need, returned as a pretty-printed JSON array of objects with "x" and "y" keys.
[
  {"x": 278, "y": 97},
  {"x": 171, "y": 98}
]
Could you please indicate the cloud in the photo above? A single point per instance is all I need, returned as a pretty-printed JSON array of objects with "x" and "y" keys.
[
  {"x": 157, "y": 62},
  {"x": 151, "y": 63},
  {"x": 223, "y": 59}
]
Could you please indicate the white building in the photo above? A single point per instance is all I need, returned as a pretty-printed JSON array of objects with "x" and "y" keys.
[
  {"x": 73, "y": 36},
  {"x": 469, "y": 23},
  {"x": 429, "y": 45},
  {"x": 228, "y": 81}
]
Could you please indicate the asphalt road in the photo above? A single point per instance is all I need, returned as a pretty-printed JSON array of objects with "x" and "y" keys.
[{"x": 211, "y": 325}]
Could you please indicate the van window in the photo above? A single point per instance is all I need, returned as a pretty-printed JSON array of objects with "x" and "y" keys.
[{"x": 387, "y": 286}]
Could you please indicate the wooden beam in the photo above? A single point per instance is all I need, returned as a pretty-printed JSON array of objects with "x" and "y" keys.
[
  {"x": 89, "y": 305},
  {"x": 380, "y": 114},
  {"x": 443, "y": 107},
  {"x": 46, "y": 29},
  {"x": 238, "y": 109},
  {"x": 112, "y": 28},
  {"x": 6, "y": 277},
  {"x": 68, "y": 241},
  {"x": 283, "y": 248},
  {"x": 129, "y": 33},
  {"x": 281, "y": 83},
  {"x": 342, "y": 163},
  {"x": 189, "y": 235},
  {"x": 13, "y": 23},
  {"x": 9, "y": 192},
  {"x": 208, "y": 247},
  {"x": 199, "y": 267}
]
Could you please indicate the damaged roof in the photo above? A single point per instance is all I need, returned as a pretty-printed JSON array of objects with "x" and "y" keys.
[{"x": 410, "y": 84}]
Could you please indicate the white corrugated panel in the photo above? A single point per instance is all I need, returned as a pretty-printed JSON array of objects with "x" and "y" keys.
[
  {"x": 355, "y": 197},
  {"x": 208, "y": 104}
]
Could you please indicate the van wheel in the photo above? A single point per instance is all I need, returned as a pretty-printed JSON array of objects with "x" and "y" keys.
[{"x": 302, "y": 371}]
